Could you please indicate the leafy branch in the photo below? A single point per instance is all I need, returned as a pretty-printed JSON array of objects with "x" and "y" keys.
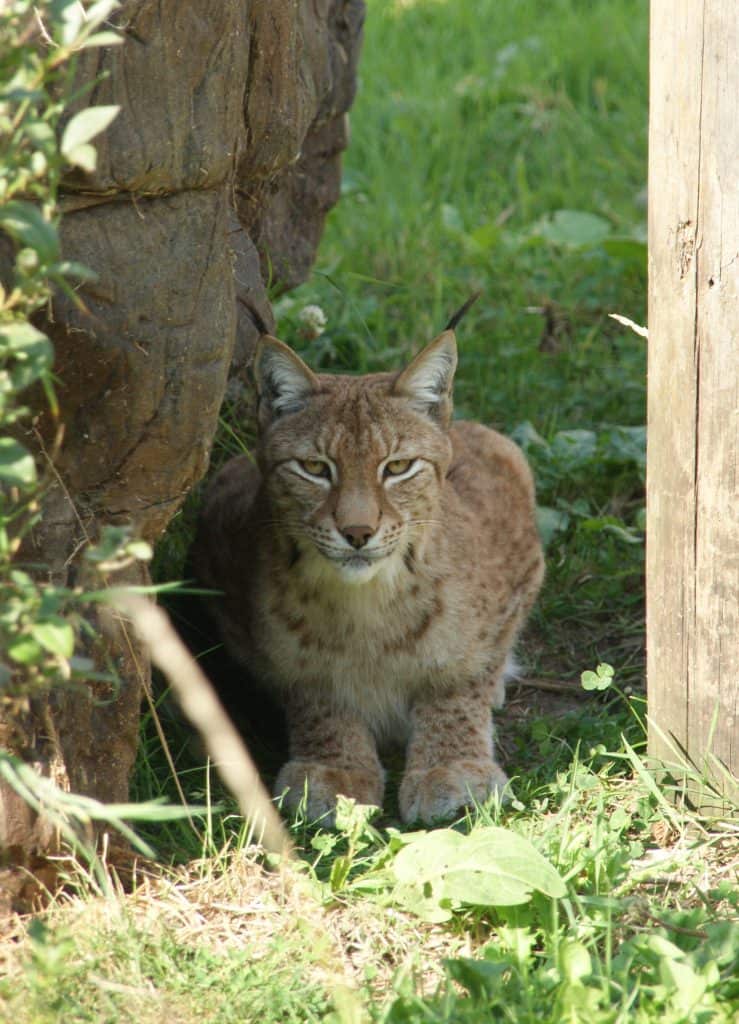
[{"x": 39, "y": 45}]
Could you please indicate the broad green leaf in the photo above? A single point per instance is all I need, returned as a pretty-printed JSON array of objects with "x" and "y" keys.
[
  {"x": 575, "y": 961},
  {"x": 85, "y": 126},
  {"x": 27, "y": 260},
  {"x": 85, "y": 157},
  {"x": 429, "y": 855},
  {"x": 17, "y": 467},
  {"x": 619, "y": 820},
  {"x": 573, "y": 448},
  {"x": 39, "y": 132},
  {"x": 22, "y": 580},
  {"x": 27, "y": 370},
  {"x": 491, "y": 867},
  {"x": 26, "y": 223},
  {"x": 576, "y": 1002},
  {"x": 723, "y": 936},
  {"x": 32, "y": 351},
  {"x": 25, "y": 650},
  {"x": 686, "y": 984},
  {"x": 56, "y": 635},
  {"x": 486, "y": 888},
  {"x": 624, "y": 445},
  {"x": 499, "y": 851},
  {"x": 98, "y": 12},
  {"x": 20, "y": 336},
  {"x": 479, "y": 977},
  {"x": 422, "y": 900},
  {"x": 39, "y": 163},
  {"x": 662, "y": 947},
  {"x": 102, "y": 39},
  {"x": 140, "y": 549},
  {"x": 601, "y": 679},
  {"x": 574, "y": 228},
  {"x": 71, "y": 18},
  {"x": 550, "y": 522},
  {"x": 526, "y": 435},
  {"x": 419, "y": 869}
]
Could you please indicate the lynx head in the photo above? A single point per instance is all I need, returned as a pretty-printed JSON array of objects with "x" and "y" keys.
[{"x": 354, "y": 466}]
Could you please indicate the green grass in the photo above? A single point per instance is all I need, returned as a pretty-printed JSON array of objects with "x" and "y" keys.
[
  {"x": 644, "y": 931},
  {"x": 137, "y": 963},
  {"x": 475, "y": 123},
  {"x": 475, "y": 126}
]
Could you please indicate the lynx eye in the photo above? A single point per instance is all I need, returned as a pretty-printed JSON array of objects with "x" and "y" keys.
[
  {"x": 314, "y": 467},
  {"x": 397, "y": 466}
]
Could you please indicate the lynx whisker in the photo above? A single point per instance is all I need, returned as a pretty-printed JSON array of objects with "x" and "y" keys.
[{"x": 283, "y": 521}]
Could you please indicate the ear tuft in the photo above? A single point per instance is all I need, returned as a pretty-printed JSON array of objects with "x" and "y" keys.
[
  {"x": 427, "y": 381},
  {"x": 284, "y": 382}
]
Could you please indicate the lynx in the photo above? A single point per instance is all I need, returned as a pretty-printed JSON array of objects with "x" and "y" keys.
[{"x": 375, "y": 566}]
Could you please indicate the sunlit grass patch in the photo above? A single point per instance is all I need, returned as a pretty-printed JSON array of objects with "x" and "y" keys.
[{"x": 643, "y": 924}]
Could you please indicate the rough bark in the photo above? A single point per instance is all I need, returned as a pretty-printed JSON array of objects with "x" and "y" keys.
[{"x": 215, "y": 177}]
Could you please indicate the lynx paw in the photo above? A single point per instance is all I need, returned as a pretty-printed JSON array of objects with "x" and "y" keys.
[
  {"x": 438, "y": 793},
  {"x": 324, "y": 783}
]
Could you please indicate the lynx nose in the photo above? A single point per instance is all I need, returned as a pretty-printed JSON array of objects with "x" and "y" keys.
[{"x": 357, "y": 535}]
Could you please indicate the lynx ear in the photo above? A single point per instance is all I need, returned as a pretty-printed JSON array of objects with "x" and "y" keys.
[
  {"x": 284, "y": 382},
  {"x": 427, "y": 382}
]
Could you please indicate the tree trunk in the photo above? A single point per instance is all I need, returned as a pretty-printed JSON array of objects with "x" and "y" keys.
[
  {"x": 693, "y": 418},
  {"x": 225, "y": 156}
]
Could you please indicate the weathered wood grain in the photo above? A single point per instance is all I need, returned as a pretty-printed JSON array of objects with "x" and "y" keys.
[{"x": 693, "y": 417}]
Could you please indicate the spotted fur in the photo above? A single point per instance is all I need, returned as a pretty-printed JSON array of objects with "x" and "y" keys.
[{"x": 376, "y": 563}]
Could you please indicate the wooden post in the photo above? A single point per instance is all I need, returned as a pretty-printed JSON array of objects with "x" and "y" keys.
[{"x": 693, "y": 417}]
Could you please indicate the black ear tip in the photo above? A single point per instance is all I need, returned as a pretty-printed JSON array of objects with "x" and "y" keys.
[{"x": 456, "y": 317}]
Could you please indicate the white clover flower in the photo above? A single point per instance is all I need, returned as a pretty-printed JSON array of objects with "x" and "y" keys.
[{"x": 313, "y": 320}]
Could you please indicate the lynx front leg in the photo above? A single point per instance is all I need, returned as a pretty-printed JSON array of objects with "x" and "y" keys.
[
  {"x": 330, "y": 754},
  {"x": 450, "y": 758}
]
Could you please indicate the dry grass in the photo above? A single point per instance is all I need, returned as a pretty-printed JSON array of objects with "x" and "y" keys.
[
  {"x": 230, "y": 904},
  {"x": 225, "y": 939}
]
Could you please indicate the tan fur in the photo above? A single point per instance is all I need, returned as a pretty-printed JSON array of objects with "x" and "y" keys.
[{"x": 412, "y": 644}]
